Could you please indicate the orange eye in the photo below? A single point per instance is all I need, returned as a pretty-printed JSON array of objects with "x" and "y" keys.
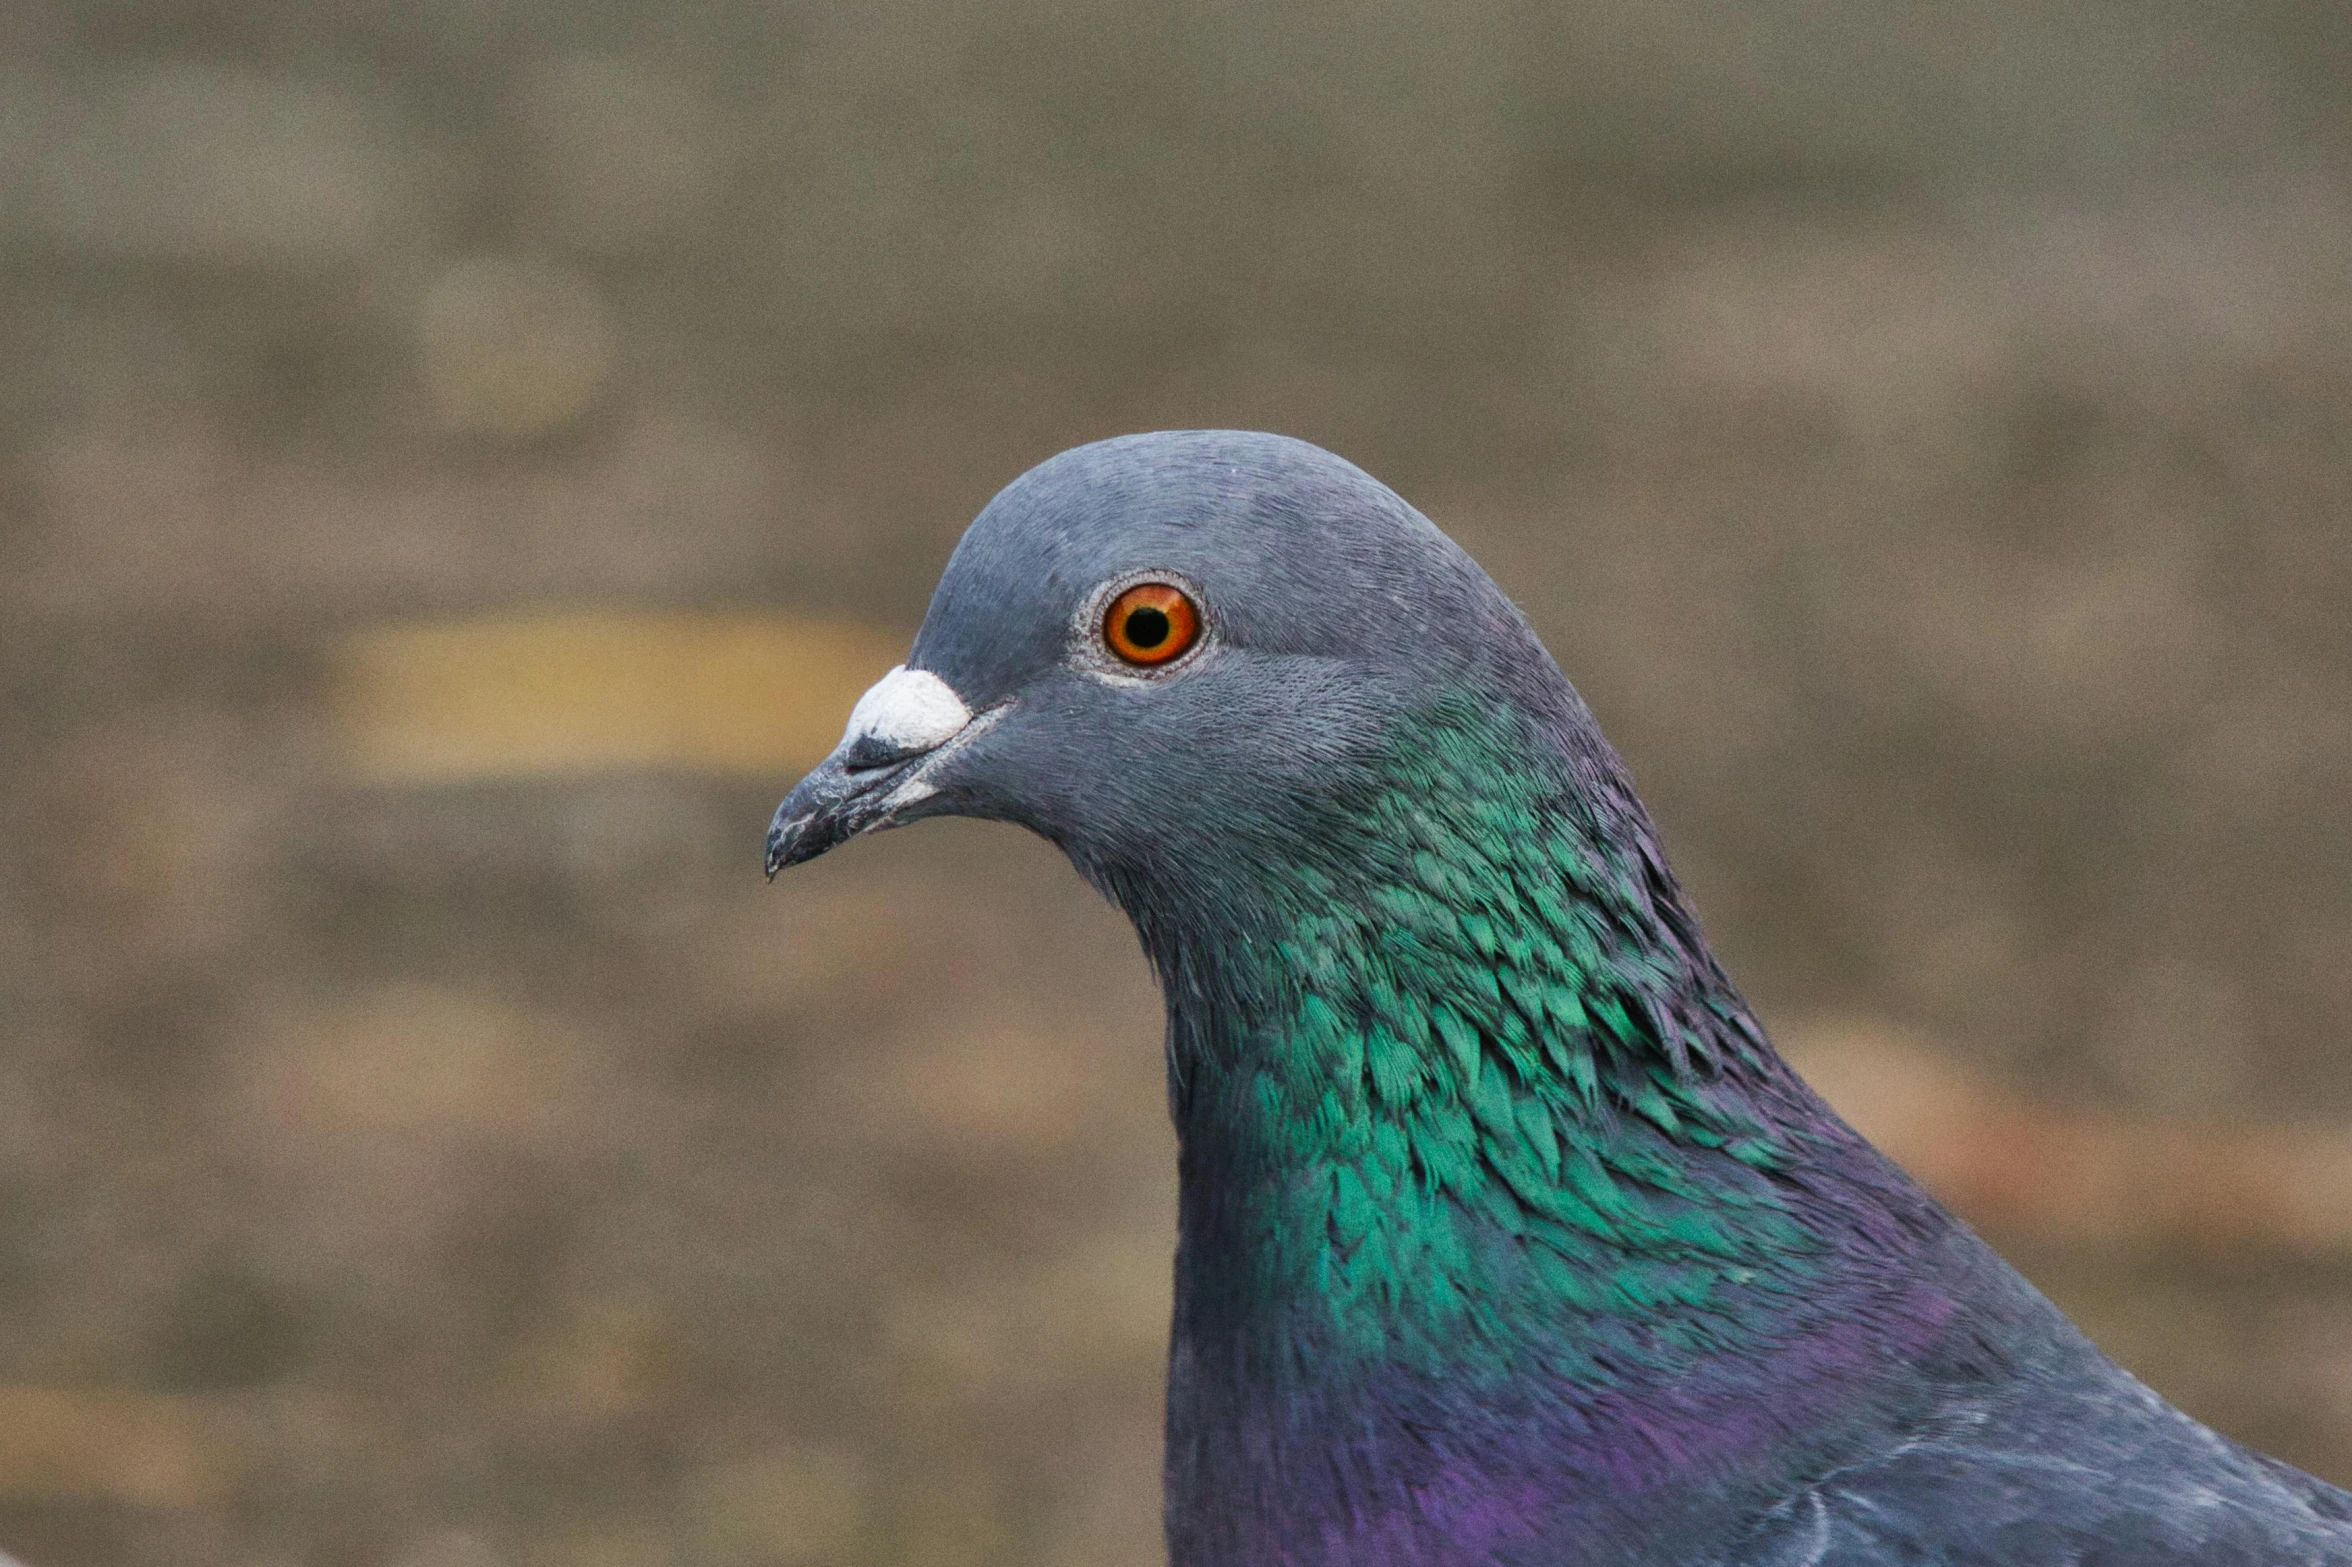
[{"x": 1151, "y": 623}]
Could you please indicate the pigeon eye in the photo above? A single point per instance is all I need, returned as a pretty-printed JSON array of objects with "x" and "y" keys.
[{"x": 1151, "y": 623}]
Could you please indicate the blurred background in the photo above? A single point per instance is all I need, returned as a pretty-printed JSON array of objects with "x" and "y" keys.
[{"x": 459, "y": 459}]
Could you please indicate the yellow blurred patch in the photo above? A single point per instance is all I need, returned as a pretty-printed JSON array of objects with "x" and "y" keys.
[
  {"x": 520, "y": 697},
  {"x": 86, "y": 1444}
]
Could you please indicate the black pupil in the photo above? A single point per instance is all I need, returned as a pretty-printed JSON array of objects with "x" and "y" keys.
[{"x": 1148, "y": 628}]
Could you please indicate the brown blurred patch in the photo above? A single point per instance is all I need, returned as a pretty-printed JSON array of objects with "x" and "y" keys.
[
  {"x": 513, "y": 348},
  {"x": 601, "y": 1360},
  {"x": 2025, "y": 1169},
  {"x": 415, "y": 1062},
  {"x": 790, "y": 1506},
  {"x": 1007, "y": 1086}
]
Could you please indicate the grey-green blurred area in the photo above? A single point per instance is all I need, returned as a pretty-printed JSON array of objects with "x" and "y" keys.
[{"x": 459, "y": 459}]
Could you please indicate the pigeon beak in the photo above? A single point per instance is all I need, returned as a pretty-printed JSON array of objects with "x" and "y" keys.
[{"x": 898, "y": 733}]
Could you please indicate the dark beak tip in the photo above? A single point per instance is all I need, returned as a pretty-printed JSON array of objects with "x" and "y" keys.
[
  {"x": 784, "y": 837},
  {"x": 805, "y": 827},
  {"x": 783, "y": 830}
]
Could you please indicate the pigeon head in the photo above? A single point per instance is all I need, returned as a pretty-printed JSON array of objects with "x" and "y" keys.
[{"x": 1173, "y": 652}]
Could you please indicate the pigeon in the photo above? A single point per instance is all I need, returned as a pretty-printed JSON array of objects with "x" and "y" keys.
[{"x": 1504, "y": 1236}]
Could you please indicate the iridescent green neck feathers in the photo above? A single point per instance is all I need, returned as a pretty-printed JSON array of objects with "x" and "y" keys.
[{"x": 1476, "y": 1092}]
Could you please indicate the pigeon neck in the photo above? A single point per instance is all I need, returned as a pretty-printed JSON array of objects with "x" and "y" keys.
[{"x": 1469, "y": 1108}]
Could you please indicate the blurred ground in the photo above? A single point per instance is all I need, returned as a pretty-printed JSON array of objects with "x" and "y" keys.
[{"x": 455, "y": 456}]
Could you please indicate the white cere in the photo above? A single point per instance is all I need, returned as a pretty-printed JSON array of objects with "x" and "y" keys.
[{"x": 907, "y": 710}]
